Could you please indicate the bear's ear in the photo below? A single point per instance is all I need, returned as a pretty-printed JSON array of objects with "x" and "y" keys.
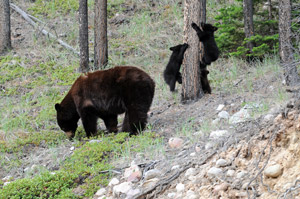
[
  {"x": 215, "y": 28},
  {"x": 172, "y": 48},
  {"x": 57, "y": 107}
]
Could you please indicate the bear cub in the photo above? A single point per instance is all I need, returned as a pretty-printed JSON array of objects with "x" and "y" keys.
[
  {"x": 204, "y": 81},
  {"x": 106, "y": 94},
  {"x": 206, "y": 36},
  {"x": 171, "y": 73}
]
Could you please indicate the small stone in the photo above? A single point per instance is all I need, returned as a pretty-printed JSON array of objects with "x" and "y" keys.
[
  {"x": 220, "y": 107},
  {"x": 221, "y": 187},
  {"x": 132, "y": 169},
  {"x": 95, "y": 141},
  {"x": 230, "y": 173},
  {"x": 6, "y": 178},
  {"x": 102, "y": 197},
  {"x": 278, "y": 119},
  {"x": 268, "y": 117},
  {"x": 175, "y": 142},
  {"x": 223, "y": 115},
  {"x": 171, "y": 195},
  {"x": 214, "y": 171},
  {"x": 190, "y": 172},
  {"x": 216, "y": 121},
  {"x": 192, "y": 178},
  {"x": 198, "y": 133},
  {"x": 132, "y": 192},
  {"x": 241, "y": 174},
  {"x": 240, "y": 116},
  {"x": 175, "y": 167},
  {"x": 100, "y": 192},
  {"x": 79, "y": 191},
  {"x": 72, "y": 148},
  {"x": 193, "y": 154},
  {"x": 273, "y": 171},
  {"x": 180, "y": 187},
  {"x": 122, "y": 188},
  {"x": 150, "y": 183},
  {"x": 113, "y": 182},
  {"x": 221, "y": 163},
  {"x": 219, "y": 133},
  {"x": 135, "y": 176},
  {"x": 6, "y": 183},
  {"x": 197, "y": 149},
  {"x": 209, "y": 145},
  {"x": 153, "y": 173},
  {"x": 245, "y": 185}
]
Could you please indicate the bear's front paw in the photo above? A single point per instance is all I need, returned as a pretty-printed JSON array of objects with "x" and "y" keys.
[{"x": 194, "y": 25}]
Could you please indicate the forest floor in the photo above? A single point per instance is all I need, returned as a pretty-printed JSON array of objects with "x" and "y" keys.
[{"x": 229, "y": 141}]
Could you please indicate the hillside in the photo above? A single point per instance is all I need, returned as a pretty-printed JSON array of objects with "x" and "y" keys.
[{"x": 225, "y": 145}]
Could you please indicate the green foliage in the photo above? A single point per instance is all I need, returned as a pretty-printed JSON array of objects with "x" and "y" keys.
[
  {"x": 46, "y": 185},
  {"x": 230, "y": 36}
]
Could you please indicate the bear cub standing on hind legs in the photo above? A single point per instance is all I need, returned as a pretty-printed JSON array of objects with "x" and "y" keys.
[
  {"x": 206, "y": 36},
  {"x": 171, "y": 73},
  {"x": 106, "y": 94}
]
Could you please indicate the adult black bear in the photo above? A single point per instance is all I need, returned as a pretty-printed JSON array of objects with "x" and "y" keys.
[
  {"x": 171, "y": 73},
  {"x": 206, "y": 36},
  {"x": 105, "y": 94},
  {"x": 204, "y": 81}
]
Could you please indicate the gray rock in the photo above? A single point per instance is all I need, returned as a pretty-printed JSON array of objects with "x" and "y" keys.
[
  {"x": 218, "y": 134},
  {"x": 241, "y": 174},
  {"x": 240, "y": 116},
  {"x": 230, "y": 173},
  {"x": 100, "y": 192},
  {"x": 220, "y": 107},
  {"x": 215, "y": 171},
  {"x": 175, "y": 167},
  {"x": 149, "y": 183},
  {"x": 180, "y": 187},
  {"x": 209, "y": 145},
  {"x": 190, "y": 172},
  {"x": 223, "y": 115},
  {"x": 95, "y": 141},
  {"x": 273, "y": 171},
  {"x": 153, "y": 173},
  {"x": 122, "y": 188},
  {"x": 113, "y": 182},
  {"x": 172, "y": 195},
  {"x": 221, "y": 163}
]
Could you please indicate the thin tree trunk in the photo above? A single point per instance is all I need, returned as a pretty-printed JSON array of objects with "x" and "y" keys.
[
  {"x": 83, "y": 36},
  {"x": 248, "y": 21},
  {"x": 270, "y": 15},
  {"x": 285, "y": 43},
  {"x": 194, "y": 11},
  {"x": 5, "y": 40},
  {"x": 101, "y": 49}
]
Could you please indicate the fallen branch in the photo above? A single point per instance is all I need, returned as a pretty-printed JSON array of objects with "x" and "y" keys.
[
  {"x": 43, "y": 31},
  {"x": 162, "y": 185}
]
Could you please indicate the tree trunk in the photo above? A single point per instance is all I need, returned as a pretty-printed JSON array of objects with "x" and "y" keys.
[
  {"x": 83, "y": 36},
  {"x": 285, "y": 43},
  {"x": 248, "y": 21},
  {"x": 5, "y": 40},
  {"x": 194, "y": 11},
  {"x": 101, "y": 50}
]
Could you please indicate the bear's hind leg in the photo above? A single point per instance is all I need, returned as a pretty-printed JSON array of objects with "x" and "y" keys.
[
  {"x": 134, "y": 121},
  {"x": 111, "y": 123},
  {"x": 172, "y": 84},
  {"x": 89, "y": 121}
]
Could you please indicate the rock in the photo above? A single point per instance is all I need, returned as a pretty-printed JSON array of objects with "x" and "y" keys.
[
  {"x": 220, "y": 107},
  {"x": 230, "y": 173},
  {"x": 193, "y": 154},
  {"x": 175, "y": 142},
  {"x": 180, "y": 187},
  {"x": 214, "y": 171},
  {"x": 113, "y": 182},
  {"x": 273, "y": 171},
  {"x": 103, "y": 197},
  {"x": 192, "y": 178},
  {"x": 95, "y": 141},
  {"x": 198, "y": 133},
  {"x": 133, "y": 172},
  {"x": 221, "y": 187},
  {"x": 268, "y": 117},
  {"x": 150, "y": 183},
  {"x": 209, "y": 145},
  {"x": 223, "y": 115},
  {"x": 240, "y": 116},
  {"x": 175, "y": 167},
  {"x": 191, "y": 195},
  {"x": 219, "y": 133},
  {"x": 78, "y": 191},
  {"x": 216, "y": 121},
  {"x": 171, "y": 195},
  {"x": 153, "y": 173},
  {"x": 6, "y": 178},
  {"x": 100, "y": 192},
  {"x": 190, "y": 171},
  {"x": 197, "y": 149},
  {"x": 72, "y": 148},
  {"x": 241, "y": 174},
  {"x": 221, "y": 163},
  {"x": 132, "y": 192},
  {"x": 122, "y": 188},
  {"x": 245, "y": 185},
  {"x": 135, "y": 176}
]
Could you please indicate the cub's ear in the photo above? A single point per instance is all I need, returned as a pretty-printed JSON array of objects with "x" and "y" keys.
[
  {"x": 57, "y": 107},
  {"x": 215, "y": 28},
  {"x": 172, "y": 48}
]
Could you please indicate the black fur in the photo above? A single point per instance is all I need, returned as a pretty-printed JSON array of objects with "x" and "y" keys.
[
  {"x": 171, "y": 73},
  {"x": 204, "y": 81},
  {"x": 206, "y": 36}
]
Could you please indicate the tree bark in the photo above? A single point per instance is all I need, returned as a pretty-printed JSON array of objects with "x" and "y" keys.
[
  {"x": 83, "y": 36},
  {"x": 5, "y": 40},
  {"x": 248, "y": 21},
  {"x": 101, "y": 49},
  {"x": 194, "y": 11},
  {"x": 285, "y": 43}
]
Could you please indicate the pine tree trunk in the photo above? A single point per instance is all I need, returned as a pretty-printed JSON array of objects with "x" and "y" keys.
[
  {"x": 285, "y": 43},
  {"x": 101, "y": 49},
  {"x": 194, "y": 11},
  {"x": 248, "y": 21},
  {"x": 5, "y": 40},
  {"x": 83, "y": 36}
]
